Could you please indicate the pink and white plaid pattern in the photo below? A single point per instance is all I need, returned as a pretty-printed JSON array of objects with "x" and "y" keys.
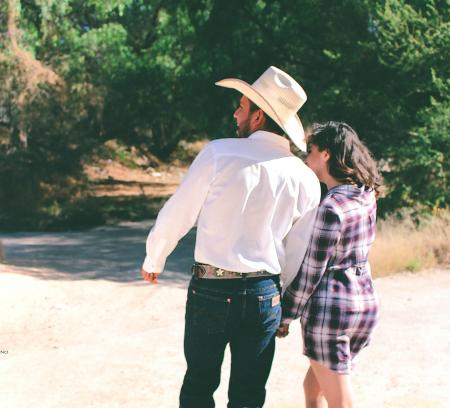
[{"x": 333, "y": 293}]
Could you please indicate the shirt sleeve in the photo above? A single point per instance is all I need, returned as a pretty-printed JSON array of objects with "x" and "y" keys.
[
  {"x": 298, "y": 238},
  {"x": 324, "y": 239},
  {"x": 180, "y": 212}
]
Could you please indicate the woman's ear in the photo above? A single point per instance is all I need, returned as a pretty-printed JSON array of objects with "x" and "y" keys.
[{"x": 326, "y": 154}]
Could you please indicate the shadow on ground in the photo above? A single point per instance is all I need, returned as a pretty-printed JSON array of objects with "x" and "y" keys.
[
  {"x": 108, "y": 253},
  {"x": 86, "y": 212}
]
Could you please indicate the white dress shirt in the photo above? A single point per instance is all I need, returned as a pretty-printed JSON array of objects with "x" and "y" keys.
[{"x": 254, "y": 203}]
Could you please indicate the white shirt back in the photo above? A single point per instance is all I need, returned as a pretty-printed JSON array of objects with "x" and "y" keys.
[{"x": 254, "y": 203}]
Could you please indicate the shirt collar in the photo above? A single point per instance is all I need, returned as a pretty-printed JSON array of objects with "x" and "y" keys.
[
  {"x": 346, "y": 188},
  {"x": 271, "y": 138}
]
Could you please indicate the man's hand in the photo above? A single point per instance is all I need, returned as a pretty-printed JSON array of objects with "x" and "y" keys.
[
  {"x": 283, "y": 330},
  {"x": 150, "y": 277}
]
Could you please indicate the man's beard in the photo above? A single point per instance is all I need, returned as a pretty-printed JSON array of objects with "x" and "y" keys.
[{"x": 244, "y": 129}]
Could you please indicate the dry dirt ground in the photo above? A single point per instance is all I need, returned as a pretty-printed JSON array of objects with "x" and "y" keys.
[
  {"x": 79, "y": 329},
  {"x": 138, "y": 172},
  {"x": 111, "y": 179}
]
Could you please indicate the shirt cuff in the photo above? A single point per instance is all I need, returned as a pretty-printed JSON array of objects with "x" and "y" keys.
[
  {"x": 286, "y": 320},
  {"x": 150, "y": 267}
]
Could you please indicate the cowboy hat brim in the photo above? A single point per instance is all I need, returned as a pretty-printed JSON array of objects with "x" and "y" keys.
[{"x": 293, "y": 126}]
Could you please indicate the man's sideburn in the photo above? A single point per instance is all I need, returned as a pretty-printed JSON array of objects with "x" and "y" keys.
[{"x": 243, "y": 131}]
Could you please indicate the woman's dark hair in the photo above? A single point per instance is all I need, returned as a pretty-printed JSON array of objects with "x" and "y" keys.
[
  {"x": 350, "y": 160},
  {"x": 269, "y": 125}
]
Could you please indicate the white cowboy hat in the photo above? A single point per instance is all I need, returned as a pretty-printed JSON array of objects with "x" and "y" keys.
[{"x": 280, "y": 96}]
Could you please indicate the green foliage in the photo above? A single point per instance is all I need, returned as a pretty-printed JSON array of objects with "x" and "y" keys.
[
  {"x": 413, "y": 42},
  {"x": 142, "y": 72},
  {"x": 414, "y": 265}
]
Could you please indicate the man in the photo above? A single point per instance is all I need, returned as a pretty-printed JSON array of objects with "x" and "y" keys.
[{"x": 254, "y": 203}]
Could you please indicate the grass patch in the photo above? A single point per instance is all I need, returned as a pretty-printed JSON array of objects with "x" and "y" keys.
[
  {"x": 404, "y": 245},
  {"x": 185, "y": 152},
  {"x": 129, "y": 156}
]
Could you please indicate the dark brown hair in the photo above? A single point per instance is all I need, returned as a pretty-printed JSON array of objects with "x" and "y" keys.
[
  {"x": 269, "y": 125},
  {"x": 350, "y": 160}
]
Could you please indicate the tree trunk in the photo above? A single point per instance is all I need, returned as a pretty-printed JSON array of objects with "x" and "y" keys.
[{"x": 30, "y": 73}]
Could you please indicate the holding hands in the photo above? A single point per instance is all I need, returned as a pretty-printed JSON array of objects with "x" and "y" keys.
[{"x": 283, "y": 330}]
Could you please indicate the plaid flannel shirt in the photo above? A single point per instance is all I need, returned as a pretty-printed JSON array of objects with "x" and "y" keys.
[{"x": 343, "y": 233}]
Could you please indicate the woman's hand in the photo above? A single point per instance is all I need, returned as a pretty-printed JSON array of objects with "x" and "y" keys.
[{"x": 283, "y": 330}]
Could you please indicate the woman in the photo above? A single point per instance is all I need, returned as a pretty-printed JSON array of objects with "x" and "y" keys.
[{"x": 333, "y": 294}]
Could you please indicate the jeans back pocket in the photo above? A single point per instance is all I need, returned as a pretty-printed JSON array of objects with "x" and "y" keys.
[
  {"x": 207, "y": 312},
  {"x": 269, "y": 311}
]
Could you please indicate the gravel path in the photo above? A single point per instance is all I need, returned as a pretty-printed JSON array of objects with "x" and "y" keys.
[{"x": 78, "y": 329}]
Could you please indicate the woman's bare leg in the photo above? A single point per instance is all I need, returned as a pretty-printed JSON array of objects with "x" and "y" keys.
[
  {"x": 336, "y": 387},
  {"x": 314, "y": 397}
]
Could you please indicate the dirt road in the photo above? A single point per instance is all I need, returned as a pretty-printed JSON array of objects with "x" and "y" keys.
[{"x": 78, "y": 329}]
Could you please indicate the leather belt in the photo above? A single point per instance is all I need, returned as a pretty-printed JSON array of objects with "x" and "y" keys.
[{"x": 205, "y": 271}]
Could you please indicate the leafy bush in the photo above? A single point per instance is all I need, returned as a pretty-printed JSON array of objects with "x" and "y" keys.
[{"x": 74, "y": 74}]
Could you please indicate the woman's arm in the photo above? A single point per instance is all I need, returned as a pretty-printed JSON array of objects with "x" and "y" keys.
[{"x": 324, "y": 239}]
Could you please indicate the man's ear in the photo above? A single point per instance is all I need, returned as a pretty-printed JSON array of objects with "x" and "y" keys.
[
  {"x": 326, "y": 154},
  {"x": 258, "y": 119}
]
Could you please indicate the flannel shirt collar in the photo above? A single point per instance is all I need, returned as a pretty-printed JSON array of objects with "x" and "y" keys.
[{"x": 346, "y": 189}]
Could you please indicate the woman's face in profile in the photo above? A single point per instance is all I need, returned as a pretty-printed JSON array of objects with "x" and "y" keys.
[{"x": 317, "y": 160}]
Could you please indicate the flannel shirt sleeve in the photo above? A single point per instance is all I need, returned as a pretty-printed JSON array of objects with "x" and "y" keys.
[{"x": 324, "y": 239}]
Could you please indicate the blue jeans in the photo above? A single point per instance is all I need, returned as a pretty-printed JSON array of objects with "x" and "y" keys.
[{"x": 244, "y": 313}]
